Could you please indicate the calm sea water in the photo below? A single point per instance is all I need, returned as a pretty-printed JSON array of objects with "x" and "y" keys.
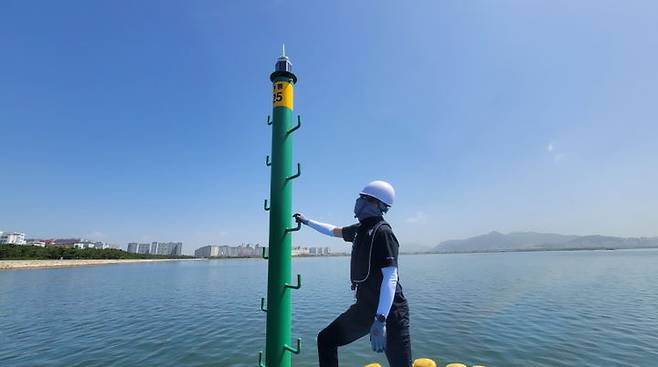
[{"x": 594, "y": 308}]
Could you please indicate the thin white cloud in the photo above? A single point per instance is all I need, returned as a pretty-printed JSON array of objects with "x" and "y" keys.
[
  {"x": 556, "y": 154},
  {"x": 419, "y": 217}
]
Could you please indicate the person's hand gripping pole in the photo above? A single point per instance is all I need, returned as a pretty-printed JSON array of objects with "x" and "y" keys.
[{"x": 323, "y": 228}]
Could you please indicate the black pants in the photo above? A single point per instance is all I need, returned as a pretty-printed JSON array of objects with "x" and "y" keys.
[{"x": 355, "y": 323}]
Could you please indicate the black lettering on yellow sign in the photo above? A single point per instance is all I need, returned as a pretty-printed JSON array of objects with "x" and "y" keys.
[{"x": 282, "y": 94}]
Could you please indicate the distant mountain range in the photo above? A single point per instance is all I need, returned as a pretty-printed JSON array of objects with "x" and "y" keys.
[{"x": 533, "y": 241}]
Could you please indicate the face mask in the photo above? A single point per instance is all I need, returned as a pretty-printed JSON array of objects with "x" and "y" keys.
[
  {"x": 364, "y": 209},
  {"x": 358, "y": 206}
]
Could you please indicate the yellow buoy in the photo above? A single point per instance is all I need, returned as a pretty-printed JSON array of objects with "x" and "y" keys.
[{"x": 424, "y": 362}]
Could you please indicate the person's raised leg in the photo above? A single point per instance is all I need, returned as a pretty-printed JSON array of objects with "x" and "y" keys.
[
  {"x": 398, "y": 339},
  {"x": 346, "y": 328}
]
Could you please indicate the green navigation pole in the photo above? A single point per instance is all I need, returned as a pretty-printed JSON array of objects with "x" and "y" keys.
[{"x": 278, "y": 347}]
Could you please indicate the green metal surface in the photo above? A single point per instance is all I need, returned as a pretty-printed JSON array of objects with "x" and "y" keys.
[{"x": 279, "y": 349}]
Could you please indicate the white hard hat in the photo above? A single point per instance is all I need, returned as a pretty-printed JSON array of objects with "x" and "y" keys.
[{"x": 380, "y": 190}]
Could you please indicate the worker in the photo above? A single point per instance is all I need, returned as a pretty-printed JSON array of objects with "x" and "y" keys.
[{"x": 381, "y": 309}]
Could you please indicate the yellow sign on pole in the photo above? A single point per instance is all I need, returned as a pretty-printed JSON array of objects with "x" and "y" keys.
[{"x": 282, "y": 94}]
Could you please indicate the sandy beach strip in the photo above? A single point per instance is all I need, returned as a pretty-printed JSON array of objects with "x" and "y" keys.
[{"x": 40, "y": 264}]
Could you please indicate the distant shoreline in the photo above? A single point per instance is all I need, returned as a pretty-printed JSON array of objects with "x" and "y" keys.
[
  {"x": 53, "y": 264},
  {"x": 528, "y": 250}
]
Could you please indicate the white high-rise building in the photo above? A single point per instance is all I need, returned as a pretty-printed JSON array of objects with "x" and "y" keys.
[
  {"x": 207, "y": 251},
  {"x": 166, "y": 248},
  {"x": 12, "y": 238},
  {"x": 139, "y": 248},
  {"x": 157, "y": 248},
  {"x": 300, "y": 251}
]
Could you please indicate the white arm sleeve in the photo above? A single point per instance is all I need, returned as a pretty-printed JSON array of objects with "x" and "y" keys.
[
  {"x": 323, "y": 228},
  {"x": 387, "y": 291}
]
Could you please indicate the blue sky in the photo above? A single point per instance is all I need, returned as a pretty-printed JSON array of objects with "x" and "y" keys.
[{"x": 142, "y": 121}]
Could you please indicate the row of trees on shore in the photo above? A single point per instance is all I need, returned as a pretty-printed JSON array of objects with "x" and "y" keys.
[{"x": 21, "y": 252}]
